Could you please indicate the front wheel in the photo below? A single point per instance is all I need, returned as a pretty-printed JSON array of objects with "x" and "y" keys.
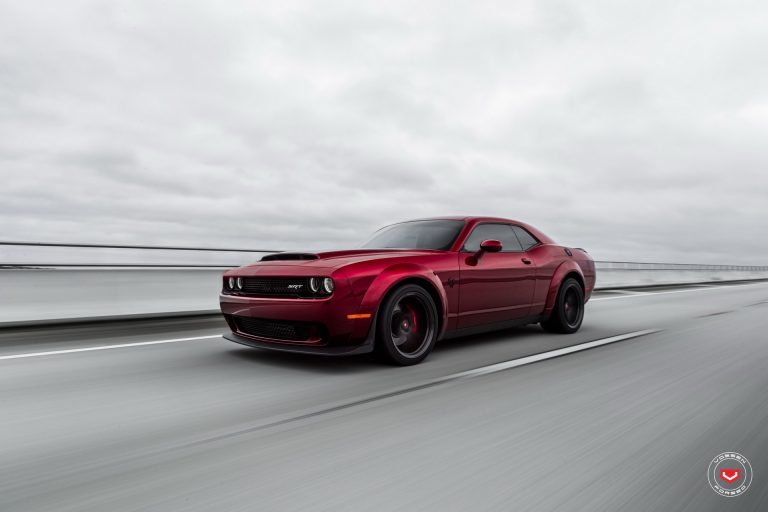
[
  {"x": 568, "y": 312},
  {"x": 406, "y": 326}
]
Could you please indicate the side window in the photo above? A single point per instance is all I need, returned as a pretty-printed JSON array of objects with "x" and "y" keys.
[
  {"x": 527, "y": 240},
  {"x": 501, "y": 232}
]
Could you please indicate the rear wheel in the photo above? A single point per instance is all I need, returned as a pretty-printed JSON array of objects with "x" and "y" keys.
[
  {"x": 568, "y": 312},
  {"x": 406, "y": 327}
]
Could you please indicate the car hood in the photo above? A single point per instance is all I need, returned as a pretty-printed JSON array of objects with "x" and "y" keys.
[{"x": 332, "y": 259}]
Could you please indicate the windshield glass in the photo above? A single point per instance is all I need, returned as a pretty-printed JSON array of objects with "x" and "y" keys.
[{"x": 418, "y": 234}]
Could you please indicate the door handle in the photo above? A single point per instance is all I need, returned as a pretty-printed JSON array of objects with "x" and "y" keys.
[{"x": 526, "y": 261}]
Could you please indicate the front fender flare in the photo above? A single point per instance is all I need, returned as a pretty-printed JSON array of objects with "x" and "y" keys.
[{"x": 392, "y": 276}]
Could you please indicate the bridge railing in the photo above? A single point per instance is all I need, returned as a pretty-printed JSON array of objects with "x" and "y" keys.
[
  {"x": 634, "y": 265},
  {"x": 36, "y": 254},
  {"x": 56, "y": 282}
]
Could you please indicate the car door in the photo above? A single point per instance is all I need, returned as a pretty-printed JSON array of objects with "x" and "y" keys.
[{"x": 494, "y": 287}]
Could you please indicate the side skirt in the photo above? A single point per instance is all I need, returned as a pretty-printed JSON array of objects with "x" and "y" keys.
[{"x": 497, "y": 326}]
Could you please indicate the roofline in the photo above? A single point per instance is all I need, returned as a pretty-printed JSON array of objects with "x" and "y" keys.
[
  {"x": 470, "y": 222},
  {"x": 467, "y": 218}
]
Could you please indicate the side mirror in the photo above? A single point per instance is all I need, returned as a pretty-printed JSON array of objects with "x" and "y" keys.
[{"x": 490, "y": 246}]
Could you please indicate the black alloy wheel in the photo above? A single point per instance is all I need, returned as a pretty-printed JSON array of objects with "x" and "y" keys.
[
  {"x": 568, "y": 312},
  {"x": 406, "y": 325}
]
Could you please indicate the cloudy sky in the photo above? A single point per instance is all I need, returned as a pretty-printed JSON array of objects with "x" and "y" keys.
[{"x": 638, "y": 130}]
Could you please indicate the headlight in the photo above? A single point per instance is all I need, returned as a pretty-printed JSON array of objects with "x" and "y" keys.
[
  {"x": 239, "y": 283},
  {"x": 231, "y": 283},
  {"x": 314, "y": 284},
  {"x": 328, "y": 285}
]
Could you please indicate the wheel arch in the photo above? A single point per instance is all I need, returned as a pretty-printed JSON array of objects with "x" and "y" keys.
[
  {"x": 578, "y": 277},
  {"x": 392, "y": 278},
  {"x": 567, "y": 269}
]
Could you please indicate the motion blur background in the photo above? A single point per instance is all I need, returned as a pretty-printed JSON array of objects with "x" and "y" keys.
[{"x": 636, "y": 130}]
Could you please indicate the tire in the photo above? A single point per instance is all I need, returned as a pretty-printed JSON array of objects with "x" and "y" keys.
[
  {"x": 568, "y": 312},
  {"x": 406, "y": 326}
]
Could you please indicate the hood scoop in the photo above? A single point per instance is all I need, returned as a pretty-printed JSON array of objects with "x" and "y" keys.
[{"x": 286, "y": 256}]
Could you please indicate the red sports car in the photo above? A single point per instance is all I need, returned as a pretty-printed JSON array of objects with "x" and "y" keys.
[{"x": 410, "y": 285}]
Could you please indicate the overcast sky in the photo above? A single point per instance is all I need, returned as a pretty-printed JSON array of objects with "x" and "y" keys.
[{"x": 638, "y": 130}]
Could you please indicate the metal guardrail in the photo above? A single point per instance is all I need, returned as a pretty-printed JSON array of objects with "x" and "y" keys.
[
  {"x": 148, "y": 247},
  {"x": 39, "y": 255},
  {"x": 635, "y": 265},
  {"x": 601, "y": 265}
]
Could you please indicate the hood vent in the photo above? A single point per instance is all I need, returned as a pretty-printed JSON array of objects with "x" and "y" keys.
[{"x": 285, "y": 256}]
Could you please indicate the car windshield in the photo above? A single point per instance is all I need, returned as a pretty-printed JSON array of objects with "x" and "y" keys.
[{"x": 419, "y": 234}]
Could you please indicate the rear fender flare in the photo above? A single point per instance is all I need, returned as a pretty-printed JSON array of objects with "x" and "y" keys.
[{"x": 565, "y": 268}]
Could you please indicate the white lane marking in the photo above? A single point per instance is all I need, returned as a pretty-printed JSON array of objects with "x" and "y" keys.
[
  {"x": 418, "y": 386},
  {"x": 106, "y": 347},
  {"x": 498, "y": 367}
]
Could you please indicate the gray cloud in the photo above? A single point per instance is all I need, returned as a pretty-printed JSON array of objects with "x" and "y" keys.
[{"x": 637, "y": 131}]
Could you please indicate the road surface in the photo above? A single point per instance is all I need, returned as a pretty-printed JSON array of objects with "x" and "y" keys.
[{"x": 101, "y": 417}]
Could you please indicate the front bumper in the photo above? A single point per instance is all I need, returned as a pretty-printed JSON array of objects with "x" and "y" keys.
[
  {"x": 326, "y": 319},
  {"x": 325, "y": 350}
]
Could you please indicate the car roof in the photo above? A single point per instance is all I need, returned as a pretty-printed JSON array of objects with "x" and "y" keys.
[
  {"x": 468, "y": 218},
  {"x": 470, "y": 222}
]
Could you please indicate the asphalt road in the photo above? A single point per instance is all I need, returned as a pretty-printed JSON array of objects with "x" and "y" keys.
[{"x": 204, "y": 424}]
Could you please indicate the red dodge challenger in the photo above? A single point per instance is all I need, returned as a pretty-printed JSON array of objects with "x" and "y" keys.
[{"x": 410, "y": 285}]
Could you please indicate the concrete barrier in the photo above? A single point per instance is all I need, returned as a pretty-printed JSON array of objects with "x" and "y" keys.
[
  {"x": 44, "y": 295},
  {"x": 58, "y": 282},
  {"x": 619, "y": 274},
  {"x": 66, "y": 294}
]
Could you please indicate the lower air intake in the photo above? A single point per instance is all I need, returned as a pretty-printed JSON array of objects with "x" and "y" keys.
[{"x": 274, "y": 330}]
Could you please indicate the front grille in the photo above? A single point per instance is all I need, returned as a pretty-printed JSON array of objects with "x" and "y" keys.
[
  {"x": 273, "y": 329},
  {"x": 276, "y": 286}
]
